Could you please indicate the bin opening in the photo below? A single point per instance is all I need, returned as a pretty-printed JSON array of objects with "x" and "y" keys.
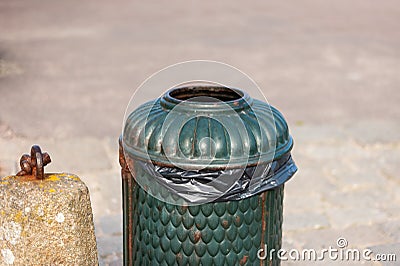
[{"x": 206, "y": 94}]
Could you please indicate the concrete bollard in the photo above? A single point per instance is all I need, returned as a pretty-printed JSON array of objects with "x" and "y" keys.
[{"x": 45, "y": 219}]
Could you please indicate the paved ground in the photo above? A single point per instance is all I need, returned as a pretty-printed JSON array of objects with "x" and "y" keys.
[{"x": 67, "y": 70}]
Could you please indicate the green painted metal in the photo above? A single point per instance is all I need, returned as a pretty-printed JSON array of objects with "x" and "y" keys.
[
  {"x": 236, "y": 130},
  {"x": 223, "y": 233},
  {"x": 169, "y": 132}
]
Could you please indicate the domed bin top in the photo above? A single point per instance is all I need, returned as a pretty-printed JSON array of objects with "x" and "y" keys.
[{"x": 208, "y": 128}]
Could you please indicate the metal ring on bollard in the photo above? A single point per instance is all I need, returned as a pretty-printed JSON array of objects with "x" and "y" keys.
[{"x": 35, "y": 163}]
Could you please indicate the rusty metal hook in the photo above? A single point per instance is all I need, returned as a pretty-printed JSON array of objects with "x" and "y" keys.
[{"x": 35, "y": 163}]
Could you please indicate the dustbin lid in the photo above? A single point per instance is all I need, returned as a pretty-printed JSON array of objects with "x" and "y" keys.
[{"x": 208, "y": 128}]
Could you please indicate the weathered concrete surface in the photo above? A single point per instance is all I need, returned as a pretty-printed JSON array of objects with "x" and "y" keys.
[
  {"x": 319, "y": 62},
  {"x": 46, "y": 222}
]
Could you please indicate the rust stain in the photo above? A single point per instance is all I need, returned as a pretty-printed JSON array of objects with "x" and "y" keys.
[
  {"x": 179, "y": 257},
  {"x": 197, "y": 236},
  {"x": 31, "y": 178},
  {"x": 128, "y": 179},
  {"x": 34, "y": 164},
  {"x": 125, "y": 163},
  {"x": 225, "y": 224},
  {"x": 24, "y": 178},
  {"x": 243, "y": 260},
  {"x": 263, "y": 222},
  {"x": 130, "y": 218}
]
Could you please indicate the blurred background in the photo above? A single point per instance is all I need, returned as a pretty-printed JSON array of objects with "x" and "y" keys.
[{"x": 69, "y": 68}]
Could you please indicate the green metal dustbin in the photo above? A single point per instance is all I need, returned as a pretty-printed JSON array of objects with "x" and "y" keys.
[{"x": 203, "y": 172}]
